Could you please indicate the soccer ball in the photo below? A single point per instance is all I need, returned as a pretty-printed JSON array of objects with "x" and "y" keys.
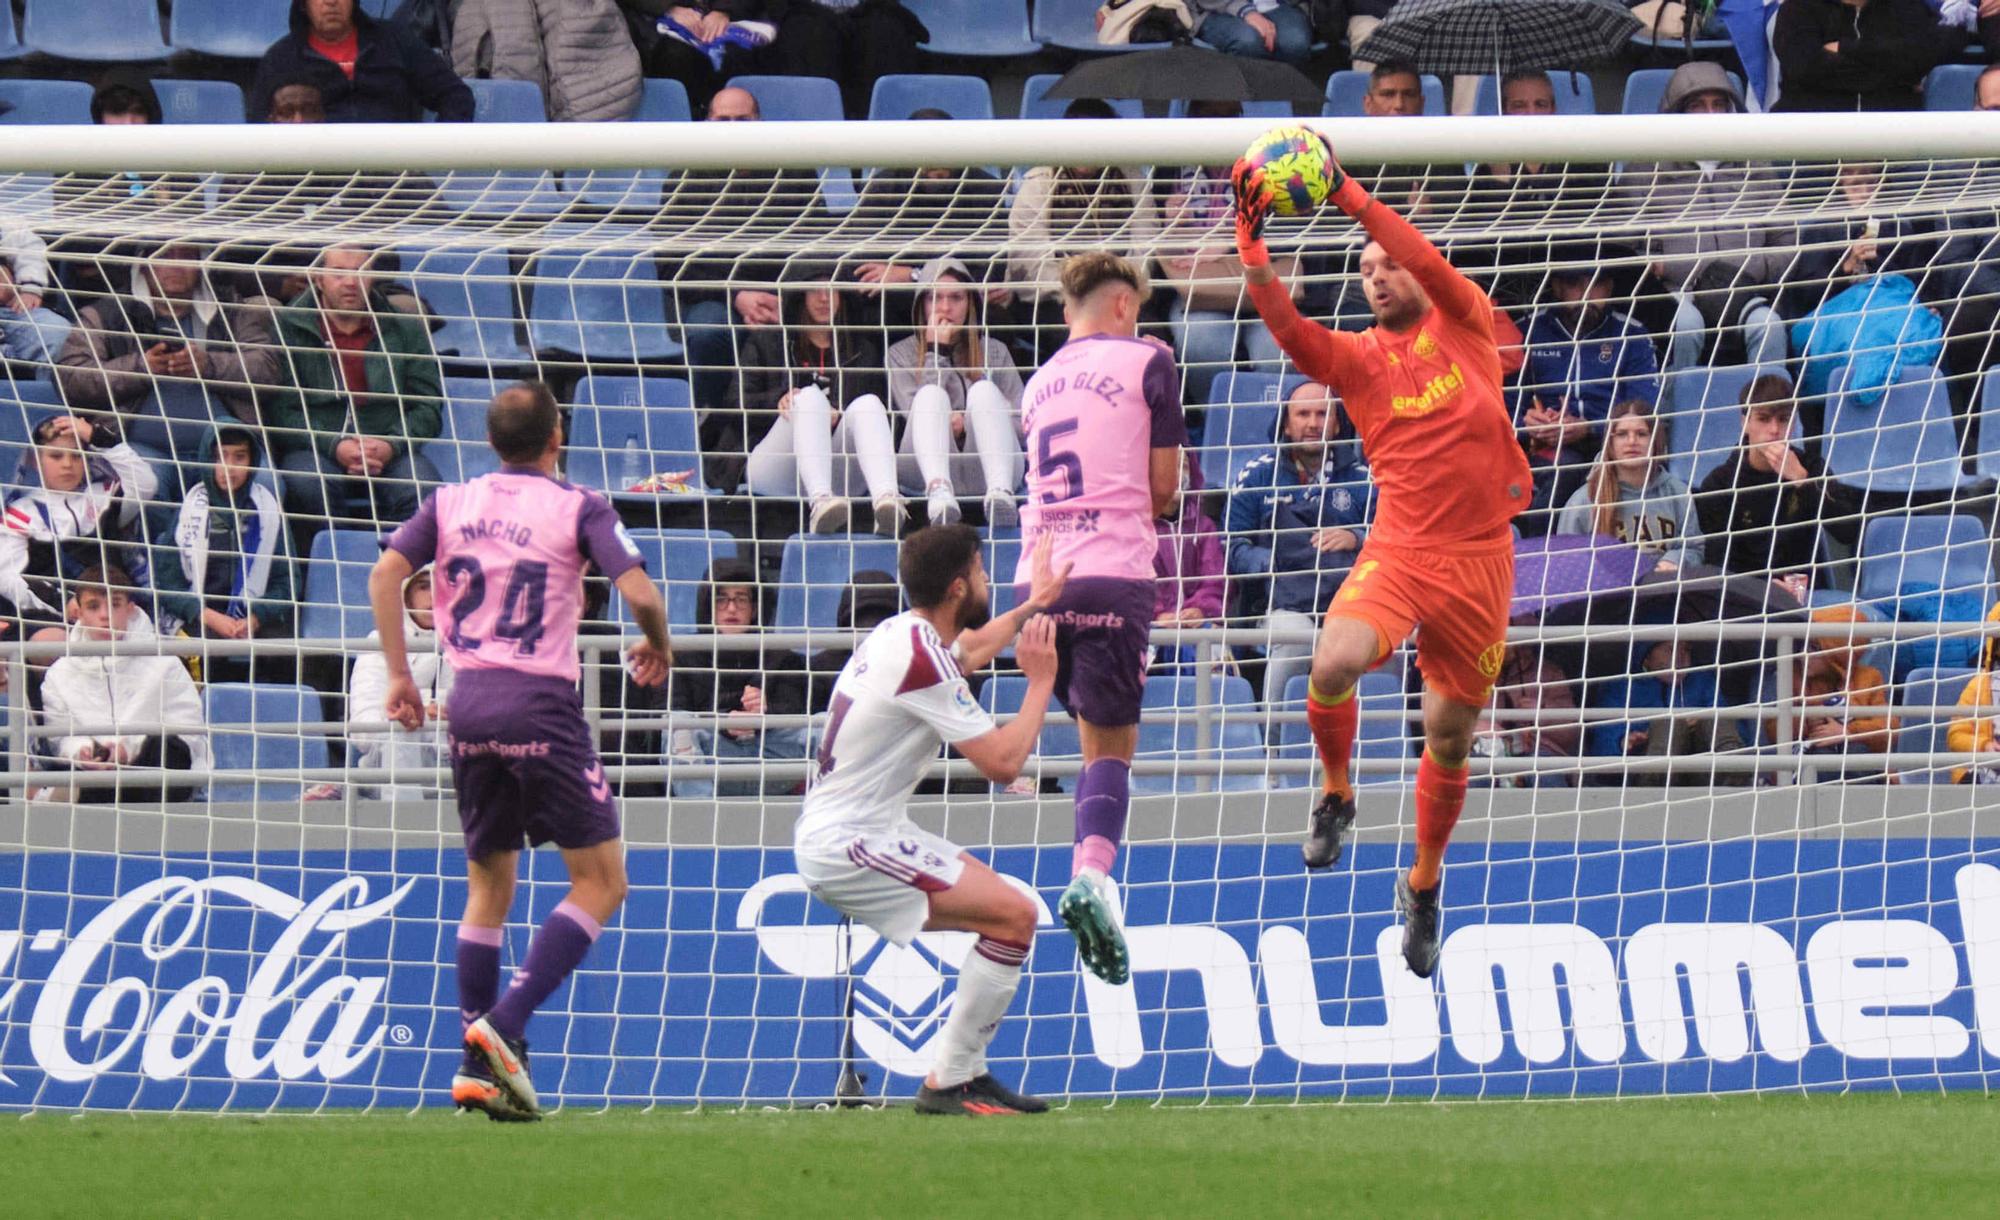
[{"x": 1297, "y": 172}]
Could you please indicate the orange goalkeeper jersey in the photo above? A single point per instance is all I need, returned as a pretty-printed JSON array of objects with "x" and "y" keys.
[{"x": 1427, "y": 403}]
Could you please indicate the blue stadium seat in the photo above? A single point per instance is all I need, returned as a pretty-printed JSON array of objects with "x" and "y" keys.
[
  {"x": 1574, "y": 94},
  {"x": 44, "y": 102},
  {"x": 681, "y": 559},
  {"x": 1949, "y": 550},
  {"x": 1646, "y": 86},
  {"x": 461, "y": 452},
  {"x": 101, "y": 31},
  {"x": 1903, "y": 443},
  {"x": 663, "y": 101},
  {"x": 815, "y": 571},
  {"x": 1379, "y": 736},
  {"x": 473, "y": 291},
  {"x": 268, "y": 714},
  {"x": 660, "y": 101},
  {"x": 793, "y": 99},
  {"x": 199, "y": 101},
  {"x": 1072, "y": 24},
  {"x": 603, "y": 304},
  {"x": 1921, "y": 734},
  {"x": 1952, "y": 87},
  {"x": 898, "y": 96},
  {"x": 623, "y": 429},
  {"x": 507, "y": 101},
  {"x": 1708, "y": 386},
  {"x": 989, "y": 29},
  {"x": 231, "y": 29},
  {"x": 1001, "y": 553},
  {"x": 1235, "y": 732},
  {"x": 10, "y": 42},
  {"x": 1986, "y": 462},
  {"x": 335, "y": 601},
  {"x": 1036, "y": 104},
  {"x": 1346, "y": 88},
  {"x": 1241, "y": 421}
]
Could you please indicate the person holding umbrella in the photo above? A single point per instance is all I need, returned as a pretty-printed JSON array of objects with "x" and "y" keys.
[{"x": 1423, "y": 387}]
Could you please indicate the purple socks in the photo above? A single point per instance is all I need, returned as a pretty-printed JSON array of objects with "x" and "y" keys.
[
  {"x": 558, "y": 948},
  {"x": 1103, "y": 795},
  {"x": 478, "y": 972}
]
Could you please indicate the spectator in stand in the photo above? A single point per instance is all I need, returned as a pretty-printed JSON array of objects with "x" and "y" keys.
[
  {"x": 1524, "y": 194},
  {"x": 1395, "y": 89},
  {"x": 1826, "y": 713},
  {"x": 740, "y": 685},
  {"x": 1665, "y": 680},
  {"x": 1210, "y": 318},
  {"x": 869, "y": 598},
  {"x": 791, "y": 379},
  {"x": 855, "y": 42},
  {"x": 82, "y": 695},
  {"x": 173, "y": 352},
  {"x": 959, "y": 396},
  {"x": 73, "y": 505},
  {"x": 367, "y": 70},
  {"x": 1859, "y": 54},
  {"x": 225, "y": 567},
  {"x": 1761, "y": 510},
  {"x": 398, "y": 748},
  {"x": 721, "y": 300},
  {"x": 1255, "y": 29},
  {"x": 29, "y": 331},
  {"x": 1188, "y": 565},
  {"x": 1632, "y": 496},
  {"x": 1060, "y": 211},
  {"x": 1529, "y": 683},
  {"x": 1722, "y": 274},
  {"x": 1362, "y": 18},
  {"x": 899, "y": 209},
  {"x": 1296, "y": 518},
  {"x": 1986, "y": 90},
  {"x": 702, "y": 43},
  {"x": 1975, "y": 732},
  {"x": 1584, "y": 355},
  {"x": 366, "y": 387},
  {"x": 125, "y": 97}
]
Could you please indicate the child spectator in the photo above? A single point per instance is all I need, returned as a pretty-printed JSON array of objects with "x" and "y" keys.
[
  {"x": 1975, "y": 733},
  {"x": 1188, "y": 564},
  {"x": 400, "y": 749},
  {"x": 1666, "y": 683},
  {"x": 1632, "y": 496},
  {"x": 225, "y": 569},
  {"x": 91, "y": 699},
  {"x": 959, "y": 395},
  {"x": 1834, "y": 689},
  {"x": 741, "y": 685},
  {"x": 74, "y": 505}
]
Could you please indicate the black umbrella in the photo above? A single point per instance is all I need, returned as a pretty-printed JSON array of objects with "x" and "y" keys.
[
  {"x": 1473, "y": 37},
  {"x": 1694, "y": 594},
  {"x": 1187, "y": 73}
]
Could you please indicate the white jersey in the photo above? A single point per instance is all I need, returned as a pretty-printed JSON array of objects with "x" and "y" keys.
[{"x": 898, "y": 697}]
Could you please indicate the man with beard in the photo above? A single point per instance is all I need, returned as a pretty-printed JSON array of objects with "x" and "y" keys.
[{"x": 901, "y": 694}]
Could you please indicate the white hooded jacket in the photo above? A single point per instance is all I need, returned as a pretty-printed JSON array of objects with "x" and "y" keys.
[{"x": 84, "y": 692}]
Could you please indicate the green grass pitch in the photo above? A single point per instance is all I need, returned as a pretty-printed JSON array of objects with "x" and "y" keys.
[{"x": 1820, "y": 1156}]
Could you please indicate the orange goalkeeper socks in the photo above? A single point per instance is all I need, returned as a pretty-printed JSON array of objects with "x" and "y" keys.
[
  {"x": 1334, "y": 719},
  {"x": 1440, "y": 799}
]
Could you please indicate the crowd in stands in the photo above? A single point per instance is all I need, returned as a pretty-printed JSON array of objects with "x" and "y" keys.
[{"x": 211, "y": 412}]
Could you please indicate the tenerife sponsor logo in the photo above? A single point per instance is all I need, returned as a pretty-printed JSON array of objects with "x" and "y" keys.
[
  {"x": 278, "y": 1006},
  {"x": 1553, "y": 993}
]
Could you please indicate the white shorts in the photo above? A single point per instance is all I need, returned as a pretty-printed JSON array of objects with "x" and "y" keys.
[{"x": 885, "y": 879}]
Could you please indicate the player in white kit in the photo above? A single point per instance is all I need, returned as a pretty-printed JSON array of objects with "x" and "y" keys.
[{"x": 900, "y": 696}]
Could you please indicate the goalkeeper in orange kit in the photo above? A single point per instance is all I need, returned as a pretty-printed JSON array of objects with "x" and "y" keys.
[{"x": 1422, "y": 386}]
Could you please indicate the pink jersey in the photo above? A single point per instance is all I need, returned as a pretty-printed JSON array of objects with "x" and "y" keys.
[
  {"x": 510, "y": 550},
  {"x": 1094, "y": 414}
]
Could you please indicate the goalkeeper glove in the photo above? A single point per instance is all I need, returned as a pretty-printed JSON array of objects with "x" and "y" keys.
[{"x": 1252, "y": 208}]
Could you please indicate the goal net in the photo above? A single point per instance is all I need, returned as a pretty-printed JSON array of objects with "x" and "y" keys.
[{"x": 1730, "y": 826}]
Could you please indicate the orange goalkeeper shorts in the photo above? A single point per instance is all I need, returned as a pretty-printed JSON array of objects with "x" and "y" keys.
[{"x": 1456, "y": 602}]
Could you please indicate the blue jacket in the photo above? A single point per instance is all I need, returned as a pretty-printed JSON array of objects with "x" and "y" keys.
[
  {"x": 396, "y": 76},
  {"x": 1272, "y": 513},
  {"x": 1611, "y": 362},
  {"x": 1642, "y": 692}
]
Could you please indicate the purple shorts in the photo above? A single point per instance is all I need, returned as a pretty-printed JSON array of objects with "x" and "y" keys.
[
  {"x": 1102, "y": 625},
  {"x": 524, "y": 765}
]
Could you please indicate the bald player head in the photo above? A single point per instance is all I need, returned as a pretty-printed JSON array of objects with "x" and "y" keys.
[{"x": 524, "y": 426}]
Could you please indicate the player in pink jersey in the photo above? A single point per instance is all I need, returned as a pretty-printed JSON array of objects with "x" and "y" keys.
[
  {"x": 1105, "y": 432},
  {"x": 511, "y": 549}
]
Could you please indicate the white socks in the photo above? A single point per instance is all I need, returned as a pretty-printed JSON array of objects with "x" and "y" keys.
[{"x": 986, "y": 985}]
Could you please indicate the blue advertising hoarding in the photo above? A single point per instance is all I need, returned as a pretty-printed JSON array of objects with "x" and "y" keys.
[{"x": 289, "y": 980}]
